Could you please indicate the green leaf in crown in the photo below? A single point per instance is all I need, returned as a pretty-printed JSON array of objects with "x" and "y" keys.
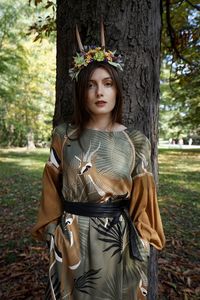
[{"x": 99, "y": 56}]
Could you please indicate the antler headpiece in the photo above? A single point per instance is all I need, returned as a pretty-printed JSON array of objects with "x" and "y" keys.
[{"x": 89, "y": 54}]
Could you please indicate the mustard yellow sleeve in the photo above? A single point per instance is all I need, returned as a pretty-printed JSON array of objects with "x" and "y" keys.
[
  {"x": 50, "y": 208},
  {"x": 144, "y": 209}
]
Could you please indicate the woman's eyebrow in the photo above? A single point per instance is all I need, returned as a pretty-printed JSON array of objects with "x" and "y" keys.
[{"x": 106, "y": 78}]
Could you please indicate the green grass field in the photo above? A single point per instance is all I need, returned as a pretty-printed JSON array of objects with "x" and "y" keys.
[
  {"x": 23, "y": 262},
  {"x": 179, "y": 192}
]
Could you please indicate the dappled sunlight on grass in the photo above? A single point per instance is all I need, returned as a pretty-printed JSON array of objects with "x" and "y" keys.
[
  {"x": 20, "y": 181},
  {"x": 39, "y": 155},
  {"x": 179, "y": 192},
  {"x": 30, "y": 162}
]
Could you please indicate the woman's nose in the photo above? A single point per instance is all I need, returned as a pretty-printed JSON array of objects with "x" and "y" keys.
[{"x": 99, "y": 90}]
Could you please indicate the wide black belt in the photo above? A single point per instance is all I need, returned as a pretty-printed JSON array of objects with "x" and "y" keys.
[{"x": 106, "y": 210}]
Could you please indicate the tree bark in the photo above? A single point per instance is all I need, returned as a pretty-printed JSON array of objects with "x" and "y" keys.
[{"x": 133, "y": 28}]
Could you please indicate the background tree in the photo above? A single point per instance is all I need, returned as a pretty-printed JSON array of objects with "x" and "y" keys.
[
  {"x": 180, "y": 109},
  {"x": 136, "y": 36},
  {"x": 27, "y": 78},
  {"x": 134, "y": 29}
]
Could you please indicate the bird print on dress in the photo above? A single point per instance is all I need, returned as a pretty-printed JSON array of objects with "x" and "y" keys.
[
  {"x": 87, "y": 167},
  {"x": 103, "y": 182}
]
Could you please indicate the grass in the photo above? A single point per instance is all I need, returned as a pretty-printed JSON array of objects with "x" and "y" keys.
[
  {"x": 179, "y": 194},
  {"x": 23, "y": 262},
  {"x": 20, "y": 182}
]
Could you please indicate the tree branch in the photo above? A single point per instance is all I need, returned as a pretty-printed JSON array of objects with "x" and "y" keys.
[
  {"x": 36, "y": 2},
  {"x": 193, "y": 5},
  {"x": 172, "y": 34}
]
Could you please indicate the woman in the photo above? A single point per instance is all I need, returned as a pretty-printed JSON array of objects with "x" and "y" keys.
[{"x": 99, "y": 210}]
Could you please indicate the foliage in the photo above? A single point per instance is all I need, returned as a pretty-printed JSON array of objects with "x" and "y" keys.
[
  {"x": 179, "y": 108},
  {"x": 180, "y": 36},
  {"x": 24, "y": 262},
  {"x": 27, "y": 78},
  {"x": 45, "y": 25},
  {"x": 180, "y": 79}
]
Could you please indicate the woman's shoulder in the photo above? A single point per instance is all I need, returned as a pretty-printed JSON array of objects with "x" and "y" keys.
[
  {"x": 142, "y": 148},
  {"x": 60, "y": 130},
  {"x": 138, "y": 138},
  {"x": 64, "y": 129}
]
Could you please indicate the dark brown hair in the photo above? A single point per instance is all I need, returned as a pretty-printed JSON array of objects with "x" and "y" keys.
[{"x": 81, "y": 115}]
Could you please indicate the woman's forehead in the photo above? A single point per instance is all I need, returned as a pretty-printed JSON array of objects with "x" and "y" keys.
[{"x": 100, "y": 74}]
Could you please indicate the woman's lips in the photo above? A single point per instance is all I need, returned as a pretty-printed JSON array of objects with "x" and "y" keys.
[{"x": 100, "y": 103}]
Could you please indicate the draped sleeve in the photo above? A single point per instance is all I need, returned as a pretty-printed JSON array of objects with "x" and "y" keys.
[
  {"x": 50, "y": 208},
  {"x": 144, "y": 208}
]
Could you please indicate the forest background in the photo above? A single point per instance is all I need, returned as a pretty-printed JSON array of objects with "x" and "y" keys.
[{"x": 28, "y": 72}]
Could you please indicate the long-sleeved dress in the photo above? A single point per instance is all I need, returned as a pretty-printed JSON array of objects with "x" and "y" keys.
[{"x": 90, "y": 256}]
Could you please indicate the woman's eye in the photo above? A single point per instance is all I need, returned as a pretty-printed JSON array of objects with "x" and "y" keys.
[
  {"x": 108, "y": 84},
  {"x": 90, "y": 85}
]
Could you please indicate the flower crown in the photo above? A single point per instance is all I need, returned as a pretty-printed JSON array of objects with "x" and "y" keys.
[{"x": 89, "y": 54}]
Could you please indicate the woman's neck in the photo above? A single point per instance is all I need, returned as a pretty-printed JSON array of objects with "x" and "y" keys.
[
  {"x": 100, "y": 123},
  {"x": 104, "y": 124}
]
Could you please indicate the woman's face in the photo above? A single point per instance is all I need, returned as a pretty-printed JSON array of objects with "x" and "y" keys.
[{"x": 101, "y": 94}]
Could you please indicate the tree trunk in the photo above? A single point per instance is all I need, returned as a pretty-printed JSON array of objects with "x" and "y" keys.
[{"x": 133, "y": 28}]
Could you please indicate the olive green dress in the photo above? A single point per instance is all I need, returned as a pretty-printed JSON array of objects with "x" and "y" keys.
[{"x": 89, "y": 257}]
